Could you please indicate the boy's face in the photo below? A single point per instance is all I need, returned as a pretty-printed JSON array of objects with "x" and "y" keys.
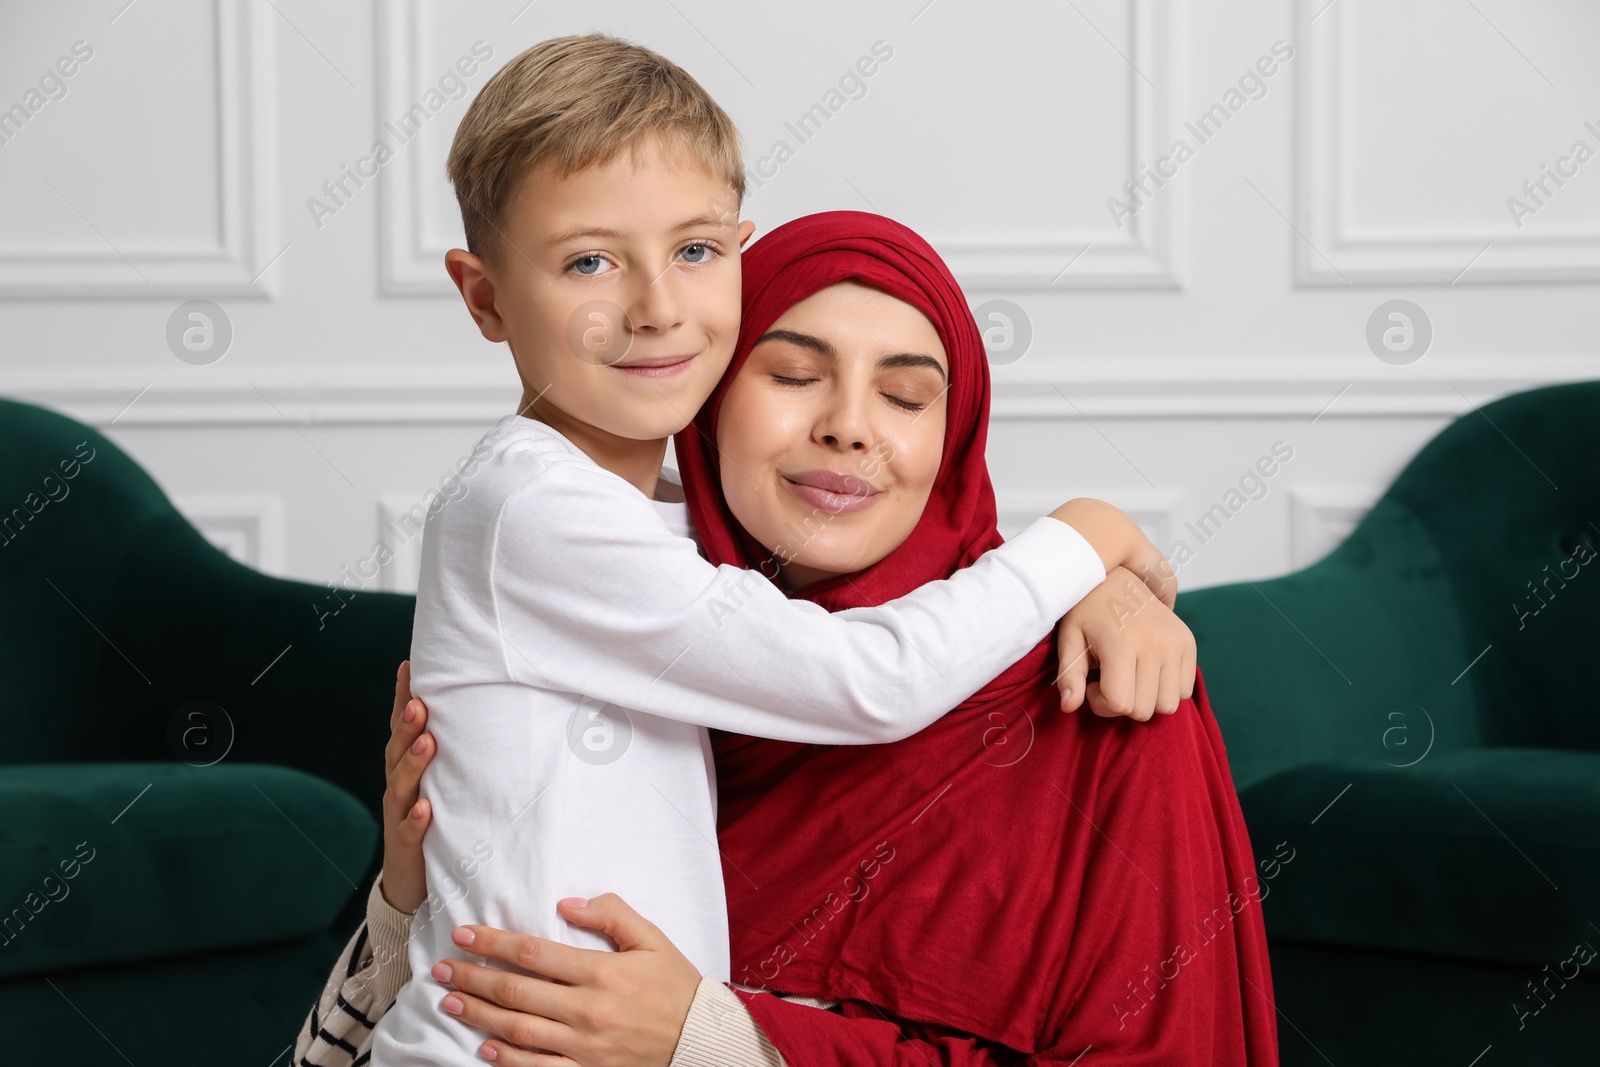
[{"x": 617, "y": 288}]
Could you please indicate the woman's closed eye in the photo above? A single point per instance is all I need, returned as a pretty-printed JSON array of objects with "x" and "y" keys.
[
  {"x": 901, "y": 402},
  {"x": 911, "y": 388}
]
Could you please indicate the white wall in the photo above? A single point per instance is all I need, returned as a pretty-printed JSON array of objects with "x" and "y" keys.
[{"x": 1167, "y": 353}]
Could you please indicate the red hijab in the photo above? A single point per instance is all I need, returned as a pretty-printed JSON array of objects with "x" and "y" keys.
[
  {"x": 942, "y": 941},
  {"x": 793, "y": 262}
]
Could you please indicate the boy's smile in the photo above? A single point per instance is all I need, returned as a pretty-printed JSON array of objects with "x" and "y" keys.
[{"x": 617, "y": 288}]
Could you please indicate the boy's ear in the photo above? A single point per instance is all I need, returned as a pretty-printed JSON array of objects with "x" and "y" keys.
[
  {"x": 471, "y": 275},
  {"x": 746, "y": 228}
]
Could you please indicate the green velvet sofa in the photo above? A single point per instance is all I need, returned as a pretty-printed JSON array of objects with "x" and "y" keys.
[
  {"x": 1410, "y": 718},
  {"x": 193, "y": 768},
  {"x": 213, "y": 902}
]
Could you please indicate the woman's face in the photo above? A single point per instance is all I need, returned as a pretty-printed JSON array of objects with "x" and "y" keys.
[{"x": 832, "y": 431}]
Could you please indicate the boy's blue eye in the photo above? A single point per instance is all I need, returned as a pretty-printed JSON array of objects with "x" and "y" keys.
[
  {"x": 697, "y": 254},
  {"x": 588, "y": 264}
]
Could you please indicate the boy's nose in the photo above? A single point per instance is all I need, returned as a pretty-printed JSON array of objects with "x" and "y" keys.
[{"x": 656, "y": 306}]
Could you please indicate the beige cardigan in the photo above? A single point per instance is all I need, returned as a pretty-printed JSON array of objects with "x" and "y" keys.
[{"x": 718, "y": 1032}]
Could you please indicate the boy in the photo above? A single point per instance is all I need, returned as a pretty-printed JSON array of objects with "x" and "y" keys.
[{"x": 565, "y": 642}]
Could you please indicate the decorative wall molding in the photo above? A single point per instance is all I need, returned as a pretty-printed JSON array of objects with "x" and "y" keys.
[
  {"x": 405, "y": 266},
  {"x": 247, "y": 164},
  {"x": 1147, "y": 257},
  {"x": 398, "y": 518},
  {"x": 247, "y": 527},
  {"x": 1142, "y": 257},
  {"x": 1322, "y": 516},
  {"x": 1387, "y": 257},
  {"x": 1320, "y": 389}
]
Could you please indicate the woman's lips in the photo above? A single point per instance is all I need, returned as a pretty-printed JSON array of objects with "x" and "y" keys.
[
  {"x": 831, "y": 491},
  {"x": 656, "y": 367}
]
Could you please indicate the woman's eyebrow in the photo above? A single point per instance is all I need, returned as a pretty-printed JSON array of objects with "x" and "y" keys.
[
  {"x": 911, "y": 359},
  {"x": 816, "y": 344}
]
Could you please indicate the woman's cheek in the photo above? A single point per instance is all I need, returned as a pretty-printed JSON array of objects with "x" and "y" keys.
[{"x": 916, "y": 461}]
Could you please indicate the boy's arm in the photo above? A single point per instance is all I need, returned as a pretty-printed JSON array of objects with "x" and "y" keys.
[
  {"x": 360, "y": 989},
  {"x": 1145, "y": 654},
  {"x": 596, "y": 596},
  {"x": 1120, "y": 543}
]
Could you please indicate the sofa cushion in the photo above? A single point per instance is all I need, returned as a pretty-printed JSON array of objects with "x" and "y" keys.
[
  {"x": 101, "y": 862},
  {"x": 1490, "y": 853}
]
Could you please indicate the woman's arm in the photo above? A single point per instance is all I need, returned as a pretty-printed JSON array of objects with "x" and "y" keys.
[
  {"x": 361, "y": 987},
  {"x": 625, "y": 1008},
  {"x": 643, "y": 1005},
  {"x": 374, "y": 965},
  {"x": 721, "y": 1032},
  {"x": 823, "y": 1039}
]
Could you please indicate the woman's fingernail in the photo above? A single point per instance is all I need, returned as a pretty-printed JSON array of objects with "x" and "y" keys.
[
  {"x": 442, "y": 971},
  {"x": 410, "y": 712},
  {"x": 489, "y": 1052},
  {"x": 417, "y": 746},
  {"x": 416, "y": 810},
  {"x": 575, "y": 902},
  {"x": 453, "y": 1005},
  {"x": 463, "y": 935}
]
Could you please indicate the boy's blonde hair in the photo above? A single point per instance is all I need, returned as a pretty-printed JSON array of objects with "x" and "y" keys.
[{"x": 576, "y": 102}]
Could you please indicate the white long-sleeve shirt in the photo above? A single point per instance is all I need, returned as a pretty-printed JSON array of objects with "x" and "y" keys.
[{"x": 572, "y": 647}]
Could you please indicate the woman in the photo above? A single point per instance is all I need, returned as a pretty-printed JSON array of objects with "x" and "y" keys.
[{"x": 1011, "y": 884}]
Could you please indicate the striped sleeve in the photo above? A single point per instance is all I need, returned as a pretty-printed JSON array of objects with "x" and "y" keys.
[
  {"x": 719, "y": 1032},
  {"x": 362, "y": 986}
]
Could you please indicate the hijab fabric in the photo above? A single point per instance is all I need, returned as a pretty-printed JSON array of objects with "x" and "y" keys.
[{"x": 954, "y": 878}]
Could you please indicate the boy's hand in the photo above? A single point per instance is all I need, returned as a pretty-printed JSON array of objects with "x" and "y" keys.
[
  {"x": 405, "y": 818},
  {"x": 1121, "y": 543},
  {"x": 1145, "y": 653}
]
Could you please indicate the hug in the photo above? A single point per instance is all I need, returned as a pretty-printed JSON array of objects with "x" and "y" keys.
[{"x": 784, "y": 756}]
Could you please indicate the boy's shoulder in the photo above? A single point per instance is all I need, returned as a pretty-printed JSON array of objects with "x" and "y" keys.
[
  {"x": 518, "y": 444},
  {"x": 530, "y": 463}
]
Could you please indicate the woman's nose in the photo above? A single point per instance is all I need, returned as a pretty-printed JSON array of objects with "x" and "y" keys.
[{"x": 845, "y": 425}]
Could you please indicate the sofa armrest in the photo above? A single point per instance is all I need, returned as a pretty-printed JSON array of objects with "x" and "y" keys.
[
  {"x": 107, "y": 862},
  {"x": 1310, "y": 666},
  {"x": 1489, "y": 853}
]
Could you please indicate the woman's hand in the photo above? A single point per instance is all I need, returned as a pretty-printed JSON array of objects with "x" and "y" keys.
[
  {"x": 1146, "y": 654},
  {"x": 405, "y": 818},
  {"x": 591, "y": 1008}
]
